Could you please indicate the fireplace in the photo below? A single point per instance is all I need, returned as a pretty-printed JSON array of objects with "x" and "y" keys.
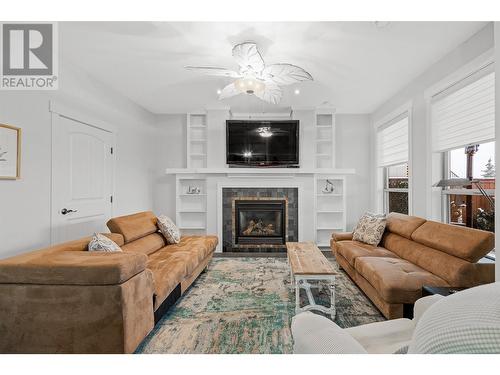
[
  {"x": 273, "y": 205},
  {"x": 259, "y": 222}
]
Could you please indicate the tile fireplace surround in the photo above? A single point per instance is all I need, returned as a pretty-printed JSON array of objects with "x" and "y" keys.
[{"x": 229, "y": 195}]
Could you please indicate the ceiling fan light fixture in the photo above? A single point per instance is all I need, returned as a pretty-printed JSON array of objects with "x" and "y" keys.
[{"x": 249, "y": 85}]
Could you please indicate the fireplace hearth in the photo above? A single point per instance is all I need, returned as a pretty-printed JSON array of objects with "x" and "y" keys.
[{"x": 260, "y": 221}]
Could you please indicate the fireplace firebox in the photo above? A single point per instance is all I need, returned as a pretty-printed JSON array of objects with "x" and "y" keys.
[{"x": 260, "y": 222}]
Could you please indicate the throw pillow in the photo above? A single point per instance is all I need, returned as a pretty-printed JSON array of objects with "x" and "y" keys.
[
  {"x": 370, "y": 229},
  {"x": 100, "y": 242},
  {"x": 169, "y": 229}
]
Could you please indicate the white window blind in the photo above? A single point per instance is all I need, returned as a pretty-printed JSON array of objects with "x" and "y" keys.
[
  {"x": 464, "y": 115},
  {"x": 393, "y": 142}
]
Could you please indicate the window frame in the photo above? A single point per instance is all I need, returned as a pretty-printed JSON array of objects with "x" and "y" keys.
[
  {"x": 445, "y": 193},
  {"x": 436, "y": 208},
  {"x": 405, "y": 110},
  {"x": 386, "y": 189}
]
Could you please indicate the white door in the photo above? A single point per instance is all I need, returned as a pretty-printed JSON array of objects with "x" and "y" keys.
[{"x": 82, "y": 179}]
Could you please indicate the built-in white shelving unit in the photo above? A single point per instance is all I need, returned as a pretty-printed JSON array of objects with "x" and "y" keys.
[
  {"x": 330, "y": 208},
  {"x": 205, "y": 168},
  {"x": 191, "y": 212},
  {"x": 325, "y": 138},
  {"x": 196, "y": 140}
]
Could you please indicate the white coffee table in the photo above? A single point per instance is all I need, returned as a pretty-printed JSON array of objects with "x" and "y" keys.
[{"x": 307, "y": 263}]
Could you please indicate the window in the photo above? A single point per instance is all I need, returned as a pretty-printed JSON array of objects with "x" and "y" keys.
[
  {"x": 396, "y": 188},
  {"x": 393, "y": 155},
  {"x": 463, "y": 126},
  {"x": 467, "y": 206},
  {"x": 464, "y": 114}
]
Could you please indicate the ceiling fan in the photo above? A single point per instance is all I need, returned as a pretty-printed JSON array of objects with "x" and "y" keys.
[{"x": 254, "y": 76}]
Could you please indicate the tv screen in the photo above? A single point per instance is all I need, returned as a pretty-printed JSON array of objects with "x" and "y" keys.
[{"x": 262, "y": 143}]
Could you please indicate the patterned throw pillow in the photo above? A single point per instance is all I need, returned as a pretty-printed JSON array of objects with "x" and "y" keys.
[
  {"x": 370, "y": 229},
  {"x": 100, "y": 242},
  {"x": 169, "y": 229}
]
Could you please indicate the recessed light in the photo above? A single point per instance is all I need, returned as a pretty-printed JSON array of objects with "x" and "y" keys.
[
  {"x": 296, "y": 92},
  {"x": 219, "y": 91}
]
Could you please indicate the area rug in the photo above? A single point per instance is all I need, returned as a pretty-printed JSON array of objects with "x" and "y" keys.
[{"x": 245, "y": 305}]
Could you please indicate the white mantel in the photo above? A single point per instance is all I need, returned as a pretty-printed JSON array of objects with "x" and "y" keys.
[{"x": 261, "y": 171}]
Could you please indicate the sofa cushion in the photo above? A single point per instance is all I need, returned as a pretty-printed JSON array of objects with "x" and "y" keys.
[
  {"x": 191, "y": 250},
  {"x": 168, "y": 272},
  {"x": 203, "y": 246},
  {"x": 462, "y": 242},
  {"x": 316, "y": 334},
  {"x": 403, "y": 225},
  {"x": 146, "y": 245},
  {"x": 188, "y": 259},
  {"x": 134, "y": 226},
  {"x": 456, "y": 271},
  {"x": 173, "y": 263},
  {"x": 351, "y": 250},
  {"x": 396, "y": 280},
  {"x": 383, "y": 337}
]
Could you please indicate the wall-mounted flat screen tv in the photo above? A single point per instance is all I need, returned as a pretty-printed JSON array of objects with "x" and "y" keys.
[{"x": 262, "y": 143}]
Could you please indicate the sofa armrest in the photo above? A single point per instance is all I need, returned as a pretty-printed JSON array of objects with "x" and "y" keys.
[
  {"x": 72, "y": 268},
  {"x": 315, "y": 334},
  {"x": 468, "y": 275},
  {"x": 422, "y": 304},
  {"x": 484, "y": 273},
  {"x": 342, "y": 236}
]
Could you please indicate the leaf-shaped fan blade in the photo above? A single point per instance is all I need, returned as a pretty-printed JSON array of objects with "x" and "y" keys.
[
  {"x": 285, "y": 74},
  {"x": 271, "y": 94},
  {"x": 248, "y": 56},
  {"x": 228, "y": 91},
  {"x": 214, "y": 71}
]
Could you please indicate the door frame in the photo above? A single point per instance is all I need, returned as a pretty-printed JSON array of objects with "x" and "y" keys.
[{"x": 58, "y": 110}]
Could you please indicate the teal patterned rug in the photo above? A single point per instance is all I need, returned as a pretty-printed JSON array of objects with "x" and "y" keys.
[{"x": 245, "y": 305}]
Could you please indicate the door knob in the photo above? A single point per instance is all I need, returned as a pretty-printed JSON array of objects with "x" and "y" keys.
[{"x": 65, "y": 211}]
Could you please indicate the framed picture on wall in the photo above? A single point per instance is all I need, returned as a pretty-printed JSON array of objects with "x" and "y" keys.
[{"x": 10, "y": 152}]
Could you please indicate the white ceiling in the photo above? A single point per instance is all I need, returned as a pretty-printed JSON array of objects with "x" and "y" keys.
[{"x": 356, "y": 65}]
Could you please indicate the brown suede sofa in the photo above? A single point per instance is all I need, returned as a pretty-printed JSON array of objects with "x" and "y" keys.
[
  {"x": 64, "y": 299},
  {"x": 414, "y": 252}
]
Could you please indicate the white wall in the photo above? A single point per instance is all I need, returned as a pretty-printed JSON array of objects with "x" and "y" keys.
[
  {"x": 353, "y": 151},
  {"x": 25, "y": 203},
  {"x": 414, "y": 92},
  {"x": 170, "y": 152}
]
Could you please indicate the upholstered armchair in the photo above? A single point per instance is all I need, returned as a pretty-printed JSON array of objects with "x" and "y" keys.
[{"x": 466, "y": 322}]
